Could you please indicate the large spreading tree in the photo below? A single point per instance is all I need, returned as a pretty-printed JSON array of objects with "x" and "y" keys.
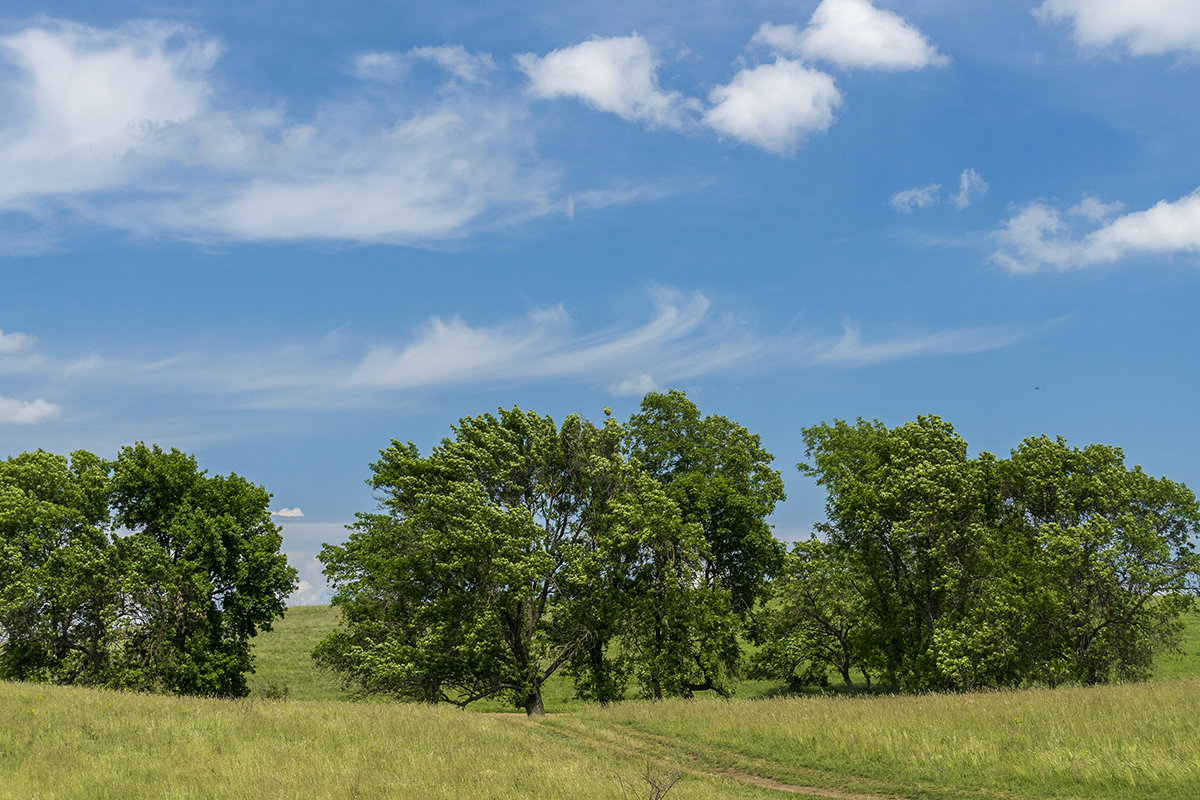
[
  {"x": 517, "y": 548},
  {"x": 141, "y": 573}
]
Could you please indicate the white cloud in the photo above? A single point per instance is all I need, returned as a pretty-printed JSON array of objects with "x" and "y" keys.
[
  {"x": 919, "y": 197},
  {"x": 853, "y": 350},
  {"x": 15, "y": 342},
  {"x": 634, "y": 385},
  {"x": 288, "y": 512},
  {"x": 26, "y": 412},
  {"x": 121, "y": 127},
  {"x": 458, "y": 61},
  {"x": 678, "y": 341},
  {"x": 90, "y": 108},
  {"x": 1095, "y": 210},
  {"x": 1144, "y": 27},
  {"x": 970, "y": 183},
  {"x": 1039, "y": 236},
  {"x": 854, "y": 34},
  {"x": 618, "y": 74},
  {"x": 773, "y": 106},
  {"x": 453, "y": 58},
  {"x": 684, "y": 339},
  {"x": 380, "y": 66}
]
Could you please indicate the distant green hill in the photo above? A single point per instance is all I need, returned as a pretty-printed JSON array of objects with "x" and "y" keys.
[
  {"x": 283, "y": 657},
  {"x": 283, "y": 661}
]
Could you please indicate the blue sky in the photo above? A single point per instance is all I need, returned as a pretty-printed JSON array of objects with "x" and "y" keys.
[{"x": 280, "y": 234}]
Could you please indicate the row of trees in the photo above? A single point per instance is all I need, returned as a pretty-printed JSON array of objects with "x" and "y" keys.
[
  {"x": 635, "y": 557},
  {"x": 939, "y": 571},
  {"x": 141, "y": 573}
]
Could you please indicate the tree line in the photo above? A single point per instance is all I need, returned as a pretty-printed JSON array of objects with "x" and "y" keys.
[
  {"x": 637, "y": 559},
  {"x": 634, "y": 558},
  {"x": 140, "y": 573}
]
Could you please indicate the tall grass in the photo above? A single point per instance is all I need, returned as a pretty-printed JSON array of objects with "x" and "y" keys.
[
  {"x": 68, "y": 743},
  {"x": 1135, "y": 741}
]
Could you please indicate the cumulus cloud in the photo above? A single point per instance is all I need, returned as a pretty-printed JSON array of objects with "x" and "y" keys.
[
  {"x": 1145, "y": 27},
  {"x": 854, "y": 34},
  {"x": 918, "y": 197},
  {"x": 288, "y": 512},
  {"x": 774, "y": 106},
  {"x": 26, "y": 412},
  {"x": 123, "y": 128},
  {"x": 1040, "y": 236},
  {"x": 617, "y": 74},
  {"x": 970, "y": 184}
]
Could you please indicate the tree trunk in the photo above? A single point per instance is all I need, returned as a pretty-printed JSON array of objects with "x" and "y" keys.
[{"x": 533, "y": 703}]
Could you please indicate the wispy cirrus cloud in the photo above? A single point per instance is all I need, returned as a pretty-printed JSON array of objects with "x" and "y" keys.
[
  {"x": 684, "y": 336},
  {"x": 1040, "y": 236},
  {"x": 853, "y": 349},
  {"x": 680, "y": 340}
]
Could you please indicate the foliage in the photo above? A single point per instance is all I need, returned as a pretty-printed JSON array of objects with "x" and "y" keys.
[
  {"x": 1055, "y": 565},
  {"x": 719, "y": 475},
  {"x": 818, "y": 621},
  {"x": 514, "y": 549},
  {"x": 141, "y": 573}
]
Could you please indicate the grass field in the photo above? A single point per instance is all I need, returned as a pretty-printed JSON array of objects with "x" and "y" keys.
[
  {"x": 1135, "y": 742},
  {"x": 1132, "y": 742}
]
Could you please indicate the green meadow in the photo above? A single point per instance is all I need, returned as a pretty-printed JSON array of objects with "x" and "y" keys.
[{"x": 299, "y": 736}]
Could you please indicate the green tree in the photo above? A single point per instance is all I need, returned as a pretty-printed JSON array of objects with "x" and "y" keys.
[
  {"x": 817, "y": 621},
  {"x": 140, "y": 573},
  {"x": 201, "y": 572},
  {"x": 1054, "y": 565},
  {"x": 1113, "y": 566},
  {"x": 59, "y": 594},
  {"x": 515, "y": 549},
  {"x": 720, "y": 476},
  {"x": 461, "y": 587}
]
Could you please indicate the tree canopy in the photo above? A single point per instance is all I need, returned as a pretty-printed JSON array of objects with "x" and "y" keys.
[
  {"x": 142, "y": 573},
  {"x": 942, "y": 571},
  {"x": 519, "y": 547}
]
